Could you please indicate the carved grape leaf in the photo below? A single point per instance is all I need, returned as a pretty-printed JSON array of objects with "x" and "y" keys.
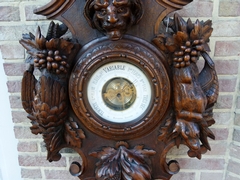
[{"x": 73, "y": 134}]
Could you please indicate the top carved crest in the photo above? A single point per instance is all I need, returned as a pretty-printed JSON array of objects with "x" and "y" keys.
[
  {"x": 177, "y": 4},
  {"x": 111, "y": 17},
  {"x": 54, "y": 8}
]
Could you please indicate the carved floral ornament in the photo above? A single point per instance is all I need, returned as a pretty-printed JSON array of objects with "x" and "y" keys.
[{"x": 120, "y": 89}]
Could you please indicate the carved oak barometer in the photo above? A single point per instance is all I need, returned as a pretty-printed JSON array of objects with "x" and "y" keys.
[{"x": 123, "y": 89}]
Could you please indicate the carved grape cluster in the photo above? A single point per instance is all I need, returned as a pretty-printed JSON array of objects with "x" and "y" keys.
[
  {"x": 188, "y": 53},
  {"x": 52, "y": 60}
]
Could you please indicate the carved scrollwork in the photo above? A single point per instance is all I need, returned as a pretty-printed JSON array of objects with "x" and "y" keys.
[
  {"x": 177, "y": 4},
  {"x": 123, "y": 163},
  {"x": 194, "y": 94},
  {"x": 54, "y": 8}
]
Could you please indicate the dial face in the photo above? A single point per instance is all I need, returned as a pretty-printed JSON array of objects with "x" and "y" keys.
[{"x": 119, "y": 92}]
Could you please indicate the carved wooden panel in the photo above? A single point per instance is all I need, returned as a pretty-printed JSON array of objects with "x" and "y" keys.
[{"x": 124, "y": 89}]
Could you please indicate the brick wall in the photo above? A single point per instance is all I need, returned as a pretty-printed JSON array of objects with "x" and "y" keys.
[{"x": 223, "y": 162}]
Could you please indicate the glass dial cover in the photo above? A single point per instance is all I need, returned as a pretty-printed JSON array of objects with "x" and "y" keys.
[{"x": 119, "y": 92}]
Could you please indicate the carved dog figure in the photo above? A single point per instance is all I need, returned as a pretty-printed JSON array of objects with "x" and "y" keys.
[{"x": 113, "y": 17}]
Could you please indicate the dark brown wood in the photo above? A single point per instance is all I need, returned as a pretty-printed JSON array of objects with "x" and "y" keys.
[
  {"x": 194, "y": 93},
  {"x": 113, "y": 18},
  {"x": 115, "y": 42},
  {"x": 141, "y": 54}
]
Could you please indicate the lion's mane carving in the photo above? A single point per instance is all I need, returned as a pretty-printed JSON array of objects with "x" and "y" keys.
[{"x": 112, "y": 17}]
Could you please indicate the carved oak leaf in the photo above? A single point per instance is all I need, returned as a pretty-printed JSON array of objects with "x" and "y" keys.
[
  {"x": 123, "y": 163},
  {"x": 73, "y": 134}
]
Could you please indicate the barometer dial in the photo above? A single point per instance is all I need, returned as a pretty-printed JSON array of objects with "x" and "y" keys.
[
  {"x": 120, "y": 89},
  {"x": 119, "y": 92}
]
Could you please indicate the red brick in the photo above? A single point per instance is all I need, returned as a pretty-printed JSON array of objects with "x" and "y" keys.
[
  {"x": 15, "y": 102},
  {"x": 15, "y": 69},
  {"x": 231, "y": 177},
  {"x": 27, "y": 147},
  {"x": 22, "y": 132},
  {"x": 14, "y": 86},
  {"x": 30, "y": 16},
  {"x": 238, "y": 102},
  {"x": 228, "y": 67},
  {"x": 226, "y": 28},
  {"x": 234, "y": 151},
  {"x": 64, "y": 150},
  {"x": 31, "y": 173},
  {"x": 59, "y": 174},
  {"x": 233, "y": 166},
  {"x": 12, "y": 51},
  {"x": 222, "y": 118},
  {"x": 224, "y": 102},
  {"x": 184, "y": 176},
  {"x": 229, "y": 8},
  {"x": 237, "y": 120},
  {"x": 227, "y": 48},
  {"x": 220, "y": 133},
  {"x": 182, "y": 150},
  {"x": 236, "y": 135},
  {"x": 25, "y": 160},
  {"x": 203, "y": 164},
  {"x": 20, "y": 117},
  {"x": 227, "y": 85},
  {"x": 211, "y": 176},
  {"x": 14, "y": 33},
  {"x": 217, "y": 148},
  {"x": 197, "y": 8},
  {"x": 68, "y": 151},
  {"x": 9, "y": 13}
]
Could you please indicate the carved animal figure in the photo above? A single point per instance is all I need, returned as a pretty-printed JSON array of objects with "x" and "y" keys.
[{"x": 113, "y": 17}]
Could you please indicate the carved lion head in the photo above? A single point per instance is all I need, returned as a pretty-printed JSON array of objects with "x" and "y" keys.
[{"x": 113, "y": 17}]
